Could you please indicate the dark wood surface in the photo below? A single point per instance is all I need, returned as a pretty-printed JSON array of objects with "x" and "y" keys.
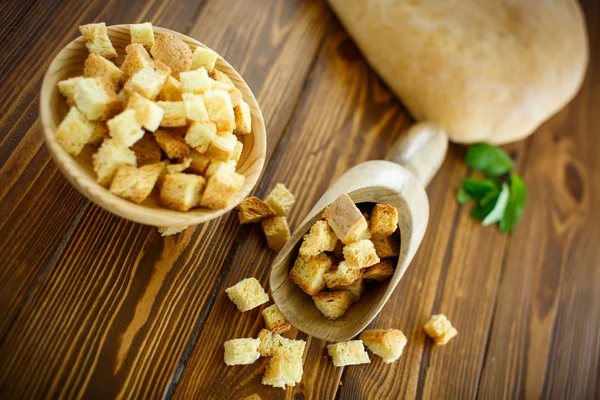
[{"x": 95, "y": 306}]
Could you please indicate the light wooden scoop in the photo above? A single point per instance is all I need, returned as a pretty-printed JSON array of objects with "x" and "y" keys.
[{"x": 400, "y": 181}]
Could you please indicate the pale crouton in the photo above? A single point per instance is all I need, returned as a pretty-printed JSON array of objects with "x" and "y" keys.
[
  {"x": 124, "y": 128},
  {"x": 360, "y": 254},
  {"x": 136, "y": 59},
  {"x": 204, "y": 58},
  {"x": 147, "y": 113},
  {"x": 242, "y": 351},
  {"x": 237, "y": 151},
  {"x": 109, "y": 157},
  {"x": 195, "y": 110},
  {"x": 276, "y": 231},
  {"x": 216, "y": 167},
  {"x": 135, "y": 184},
  {"x": 272, "y": 344},
  {"x": 97, "y": 40},
  {"x": 142, "y": 34},
  {"x": 173, "y": 52},
  {"x": 247, "y": 294},
  {"x": 74, "y": 132},
  {"x": 67, "y": 87},
  {"x": 348, "y": 353},
  {"x": 199, "y": 162},
  {"x": 220, "y": 189},
  {"x": 171, "y": 141},
  {"x": 387, "y": 246},
  {"x": 309, "y": 272},
  {"x": 236, "y": 97},
  {"x": 283, "y": 370},
  {"x": 181, "y": 191},
  {"x": 333, "y": 304},
  {"x": 196, "y": 82},
  {"x": 346, "y": 220},
  {"x": 222, "y": 146},
  {"x": 274, "y": 320},
  {"x": 172, "y": 90},
  {"x": 243, "y": 118},
  {"x": 440, "y": 329},
  {"x": 99, "y": 133},
  {"x": 253, "y": 209},
  {"x": 320, "y": 238},
  {"x": 281, "y": 199},
  {"x": 147, "y": 150},
  {"x": 174, "y": 114},
  {"x": 384, "y": 220},
  {"x": 171, "y": 230},
  {"x": 148, "y": 81},
  {"x": 386, "y": 343},
  {"x": 200, "y": 134},
  {"x": 356, "y": 288},
  {"x": 220, "y": 110},
  {"x": 380, "y": 272},
  {"x": 342, "y": 275},
  {"x": 97, "y": 66},
  {"x": 96, "y": 100}
]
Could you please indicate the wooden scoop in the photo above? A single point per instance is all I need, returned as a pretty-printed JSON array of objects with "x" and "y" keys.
[{"x": 400, "y": 181}]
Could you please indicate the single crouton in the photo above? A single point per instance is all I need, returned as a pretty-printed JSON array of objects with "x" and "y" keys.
[
  {"x": 387, "y": 246},
  {"x": 109, "y": 157},
  {"x": 200, "y": 135},
  {"x": 272, "y": 344},
  {"x": 174, "y": 114},
  {"x": 220, "y": 109},
  {"x": 148, "y": 81},
  {"x": 220, "y": 189},
  {"x": 222, "y": 147},
  {"x": 346, "y": 220},
  {"x": 247, "y": 294},
  {"x": 204, "y": 58},
  {"x": 341, "y": 276},
  {"x": 97, "y": 40},
  {"x": 222, "y": 78},
  {"x": 242, "y": 351},
  {"x": 274, "y": 320},
  {"x": 97, "y": 66},
  {"x": 135, "y": 184},
  {"x": 253, "y": 209},
  {"x": 171, "y": 230},
  {"x": 173, "y": 52},
  {"x": 99, "y": 133},
  {"x": 147, "y": 113},
  {"x": 320, "y": 238},
  {"x": 281, "y": 199},
  {"x": 195, "y": 82},
  {"x": 171, "y": 141},
  {"x": 276, "y": 231},
  {"x": 283, "y": 370},
  {"x": 236, "y": 97},
  {"x": 195, "y": 110},
  {"x": 147, "y": 150},
  {"x": 124, "y": 128},
  {"x": 67, "y": 87},
  {"x": 74, "y": 132},
  {"x": 96, "y": 100},
  {"x": 199, "y": 162},
  {"x": 440, "y": 329},
  {"x": 181, "y": 191},
  {"x": 333, "y": 304},
  {"x": 309, "y": 272},
  {"x": 360, "y": 254},
  {"x": 386, "y": 343},
  {"x": 216, "y": 167},
  {"x": 356, "y": 288},
  {"x": 179, "y": 167},
  {"x": 237, "y": 152},
  {"x": 243, "y": 118},
  {"x": 384, "y": 220},
  {"x": 136, "y": 59},
  {"x": 142, "y": 34},
  {"x": 380, "y": 272},
  {"x": 171, "y": 91},
  {"x": 348, "y": 353}
]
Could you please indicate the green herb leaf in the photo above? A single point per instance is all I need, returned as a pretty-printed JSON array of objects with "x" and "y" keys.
[
  {"x": 488, "y": 159},
  {"x": 463, "y": 197},
  {"x": 485, "y": 205},
  {"x": 498, "y": 211},
  {"x": 515, "y": 204},
  {"x": 478, "y": 188}
]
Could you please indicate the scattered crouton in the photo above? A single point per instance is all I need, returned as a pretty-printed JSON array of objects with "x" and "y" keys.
[
  {"x": 386, "y": 343},
  {"x": 97, "y": 40},
  {"x": 384, "y": 220},
  {"x": 147, "y": 113},
  {"x": 148, "y": 81},
  {"x": 199, "y": 162},
  {"x": 200, "y": 135},
  {"x": 67, "y": 87},
  {"x": 196, "y": 82},
  {"x": 387, "y": 247},
  {"x": 135, "y": 184},
  {"x": 124, "y": 128},
  {"x": 173, "y": 52},
  {"x": 283, "y": 370},
  {"x": 274, "y": 320},
  {"x": 243, "y": 118},
  {"x": 281, "y": 199},
  {"x": 380, "y": 272},
  {"x": 195, "y": 110},
  {"x": 95, "y": 98},
  {"x": 74, "y": 132},
  {"x": 341, "y": 276},
  {"x": 217, "y": 166},
  {"x": 147, "y": 150},
  {"x": 333, "y": 304},
  {"x": 237, "y": 151},
  {"x": 356, "y": 288},
  {"x": 276, "y": 231},
  {"x": 320, "y": 238},
  {"x": 222, "y": 147},
  {"x": 204, "y": 58},
  {"x": 253, "y": 209},
  {"x": 360, "y": 254},
  {"x": 136, "y": 59},
  {"x": 309, "y": 272},
  {"x": 109, "y": 157},
  {"x": 440, "y": 329},
  {"x": 142, "y": 34},
  {"x": 272, "y": 344},
  {"x": 174, "y": 114},
  {"x": 220, "y": 109},
  {"x": 348, "y": 353},
  {"x": 97, "y": 66},
  {"x": 220, "y": 189},
  {"x": 181, "y": 191},
  {"x": 242, "y": 351},
  {"x": 346, "y": 220},
  {"x": 247, "y": 294},
  {"x": 171, "y": 90},
  {"x": 171, "y": 141},
  {"x": 171, "y": 230}
]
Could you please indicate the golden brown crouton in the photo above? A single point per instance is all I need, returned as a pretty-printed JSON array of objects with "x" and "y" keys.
[
  {"x": 360, "y": 254},
  {"x": 142, "y": 34},
  {"x": 199, "y": 162},
  {"x": 283, "y": 370},
  {"x": 220, "y": 110},
  {"x": 440, "y": 329},
  {"x": 237, "y": 152},
  {"x": 97, "y": 40},
  {"x": 243, "y": 118},
  {"x": 346, "y": 220},
  {"x": 384, "y": 220},
  {"x": 309, "y": 272},
  {"x": 174, "y": 114},
  {"x": 203, "y": 57},
  {"x": 281, "y": 199},
  {"x": 195, "y": 110},
  {"x": 147, "y": 150},
  {"x": 379, "y": 272},
  {"x": 196, "y": 82},
  {"x": 348, "y": 353},
  {"x": 274, "y": 320},
  {"x": 247, "y": 294},
  {"x": 135, "y": 184},
  {"x": 356, "y": 288},
  {"x": 147, "y": 113},
  {"x": 242, "y": 351},
  {"x": 386, "y": 343},
  {"x": 220, "y": 189},
  {"x": 173, "y": 52},
  {"x": 74, "y": 132},
  {"x": 333, "y": 304},
  {"x": 253, "y": 209},
  {"x": 222, "y": 78},
  {"x": 67, "y": 87},
  {"x": 342, "y": 275},
  {"x": 181, "y": 191},
  {"x": 148, "y": 81},
  {"x": 124, "y": 128},
  {"x": 276, "y": 231},
  {"x": 172, "y": 90},
  {"x": 222, "y": 147},
  {"x": 272, "y": 344},
  {"x": 200, "y": 135},
  {"x": 171, "y": 230},
  {"x": 217, "y": 166},
  {"x": 136, "y": 59},
  {"x": 97, "y": 66},
  {"x": 96, "y": 100},
  {"x": 171, "y": 141},
  {"x": 109, "y": 157},
  {"x": 179, "y": 167},
  {"x": 320, "y": 238},
  {"x": 387, "y": 247}
]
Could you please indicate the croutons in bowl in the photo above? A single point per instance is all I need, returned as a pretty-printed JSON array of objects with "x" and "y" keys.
[{"x": 94, "y": 148}]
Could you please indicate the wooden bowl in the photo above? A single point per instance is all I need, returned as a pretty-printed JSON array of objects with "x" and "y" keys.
[{"x": 79, "y": 171}]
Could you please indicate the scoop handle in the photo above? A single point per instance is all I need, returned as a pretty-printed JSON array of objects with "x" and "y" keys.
[{"x": 421, "y": 150}]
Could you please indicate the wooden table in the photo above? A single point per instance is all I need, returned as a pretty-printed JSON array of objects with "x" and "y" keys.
[{"x": 96, "y": 306}]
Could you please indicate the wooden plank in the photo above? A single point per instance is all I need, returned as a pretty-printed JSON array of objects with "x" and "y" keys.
[{"x": 12, "y": 13}]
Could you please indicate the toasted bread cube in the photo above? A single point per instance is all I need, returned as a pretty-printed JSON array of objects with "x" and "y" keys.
[
  {"x": 320, "y": 238},
  {"x": 136, "y": 59},
  {"x": 147, "y": 150},
  {"x": 220, "y": 109},
  {"x": 199, "y": 162},
  {"x": 272, "y": 344},
  {"x": 380, "y": 272},
  {"x": 99, "y": 133},
  {"x": 74, "y": 132},
  {"x": 348, "y": 353},
  {"x": 309, "y": 272},
  {"x": 360, "y": 254},
  {"x": 356, "y": 288},
  {"x": 148, "y": 81},
  {"x": 333, "y": 304},
  {"x": 216, "y": 167},
  {"x": 237, "y": 152},
  {"x": 247, "y": 294},
  {"x": 147, "y": 113},
  {"x": 67, "y": 87},
  {"x": 346, "y": 220},
  {"x": 196, "y": 82},
  {"x": 386, "y": 343},
  {"x": 174, "y": 114},
  {"x": 195, "y": 110},
  {"x": 173, "y": 52},
  {"x": 204, "y": 58},
  {"x": 243, "y": 351},
  {"x": 125, "y": 128},
  {"x": 109, "y": 157},
  {"x": 341, "y": 276},
  {"x": 171, "y": 230},
  {"x": 142, "y": 34},
  {"x": 281, "y": 199},
  {"x": 96, "y": 100},
  {"x": 135, "y": 184},
  {"x": 253, "y": 209},
  {"x": 179, "y": 167},
  {"x": 172, "y": 90},
  {"x": 97, "y": 40},
  {"x": 387, "y": 246},
  {"x": 276, "y": 231},
  {"x": 440, "y": 329},
  {"x": 283, "y": 370},
  {"x": 274, "y": 320},
  {"x": 243, "y": 118},
  {"x": 222, "y": 147},
  {"x": 200, "y": 135},
  {"x": 223, "y": 78},
  {"x": 236, "y": 97},
  {"x": 172, "y": 143},
  {"x": 181, "y": 191},
  {"x": 384, "y": 220},
  {"x": 220, "y": 189},
  {"x": 98, "y": 66}
]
